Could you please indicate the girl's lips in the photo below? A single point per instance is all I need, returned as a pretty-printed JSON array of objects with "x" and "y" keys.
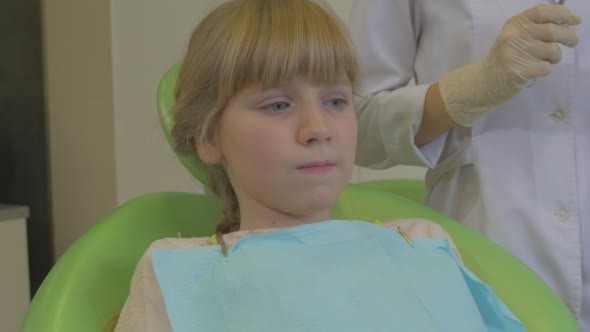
[{"x": 317, "y": 167}]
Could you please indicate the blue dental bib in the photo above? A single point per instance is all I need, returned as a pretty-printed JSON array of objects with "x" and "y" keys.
[{"x": 336, "y": 276}]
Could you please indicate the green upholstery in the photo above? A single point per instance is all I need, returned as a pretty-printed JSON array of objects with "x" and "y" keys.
[
  {"x": 89, "y": 284},
  {"x": 165, "y": 104},
  {"x": 413, "y": 189}
]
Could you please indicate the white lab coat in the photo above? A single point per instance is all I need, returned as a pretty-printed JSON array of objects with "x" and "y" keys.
[{"x": 521, "y": 174}]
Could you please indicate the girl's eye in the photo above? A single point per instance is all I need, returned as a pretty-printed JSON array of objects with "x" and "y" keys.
[
  {"x": 337, "y": 103},
  {"x": 277, "y": 107}
]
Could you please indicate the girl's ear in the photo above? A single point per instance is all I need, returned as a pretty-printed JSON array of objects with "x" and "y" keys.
[{"x": 210, "y": 150}]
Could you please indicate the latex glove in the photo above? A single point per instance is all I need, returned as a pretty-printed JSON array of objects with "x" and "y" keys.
[{"x": 524, "y": 50}]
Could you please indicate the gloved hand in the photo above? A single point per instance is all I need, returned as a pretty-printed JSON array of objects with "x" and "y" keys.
[{"x": 524, "y": 50}]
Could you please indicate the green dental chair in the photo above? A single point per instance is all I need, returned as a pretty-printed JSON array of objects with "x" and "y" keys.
[{"x": 89, "y": 284}]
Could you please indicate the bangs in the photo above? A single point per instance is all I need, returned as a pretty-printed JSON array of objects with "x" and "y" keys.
[{"x": 273, "y": 41}]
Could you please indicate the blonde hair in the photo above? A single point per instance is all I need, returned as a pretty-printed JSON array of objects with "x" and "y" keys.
[{"x": 247, "y": 42}]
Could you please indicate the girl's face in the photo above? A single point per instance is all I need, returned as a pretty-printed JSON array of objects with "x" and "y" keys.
[{"x": 288, "y": 151}]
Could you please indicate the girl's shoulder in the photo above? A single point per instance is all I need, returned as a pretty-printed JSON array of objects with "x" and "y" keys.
[
  {"x": 417, "y": 228},
  {"x": 420, "y": 229}
]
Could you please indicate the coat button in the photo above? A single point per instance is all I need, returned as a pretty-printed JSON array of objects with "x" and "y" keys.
[
  {"x": 562, "y": 214},
  {"x": 558, "y": 116}
]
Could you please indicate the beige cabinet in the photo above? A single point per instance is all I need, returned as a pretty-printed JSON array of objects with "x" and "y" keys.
[{"x": 14, "y": 267}]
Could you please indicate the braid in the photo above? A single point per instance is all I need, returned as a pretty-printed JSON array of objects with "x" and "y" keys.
[{"x": 230, "y": 216}]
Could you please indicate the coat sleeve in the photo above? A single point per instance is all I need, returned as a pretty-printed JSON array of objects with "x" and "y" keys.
[{"x": 386, "y": 34}]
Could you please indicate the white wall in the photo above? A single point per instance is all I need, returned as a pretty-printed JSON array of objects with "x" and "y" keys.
[
  {"x": 103, "y": 64},
  {"x": 79, "y": 104},
  {"x": 148, "y": 38}
]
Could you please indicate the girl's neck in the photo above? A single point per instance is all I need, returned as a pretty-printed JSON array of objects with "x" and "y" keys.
[{"x": 274, "y": 219}]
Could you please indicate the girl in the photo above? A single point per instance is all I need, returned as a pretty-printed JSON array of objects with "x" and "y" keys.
[{"x": 264, "y": 97}]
